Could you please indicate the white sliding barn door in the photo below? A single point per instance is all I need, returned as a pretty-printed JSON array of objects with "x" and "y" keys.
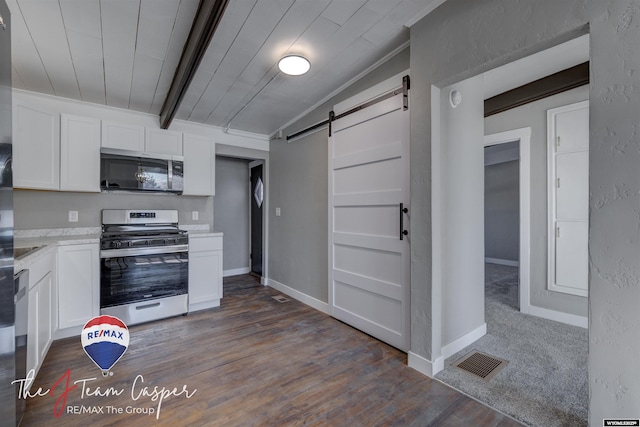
[{"x": 368, "y": 182}]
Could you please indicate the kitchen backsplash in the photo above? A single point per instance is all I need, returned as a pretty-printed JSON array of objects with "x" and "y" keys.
[{"x": 50, "y": 209}]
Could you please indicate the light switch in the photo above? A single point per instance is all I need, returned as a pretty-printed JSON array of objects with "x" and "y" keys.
[
  {"x": 277, "y": 211},
  {"x": 194, "y": 215},
  {"x": 73, "y": 216}
]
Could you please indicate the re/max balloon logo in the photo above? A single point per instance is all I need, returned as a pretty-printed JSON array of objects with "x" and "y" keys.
[{"x": 105, "y": 339}]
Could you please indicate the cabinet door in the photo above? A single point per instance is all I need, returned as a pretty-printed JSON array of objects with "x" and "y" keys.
[
  {"x": 205, "y": 273},
  {"x": 36, "y": 148},
  {"x": 572, "y": 186},
  {"x": 78, "y": 284},
  {"x": 45, "y": 332},
  {"x": 572, "y": 256},
  {"x": 199, "y": 166},
  {"x": 122, "y": 136},
  {"x": 163, "y": 142},
  {"x": 33, "y": 353},
  {"x": 79, "y": 153},
  {"x": 572, "y": 130}
]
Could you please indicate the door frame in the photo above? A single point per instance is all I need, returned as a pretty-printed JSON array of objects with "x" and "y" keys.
[
  {"x": 225, "y": 150},
  {"x": 523, "y": 136}
]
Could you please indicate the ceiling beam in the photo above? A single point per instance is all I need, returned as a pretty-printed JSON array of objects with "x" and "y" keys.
[
  {"x": 204, "y": 26},
  {"x": 547, "y": 86}
]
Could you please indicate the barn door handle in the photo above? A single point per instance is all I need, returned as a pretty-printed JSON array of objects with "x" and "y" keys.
[{"x": 403, "y": 211}]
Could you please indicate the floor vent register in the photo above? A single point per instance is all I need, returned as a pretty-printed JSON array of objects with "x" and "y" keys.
[
  {"x": 481, "y": 365},
  {"x": 280, "y": 298}
]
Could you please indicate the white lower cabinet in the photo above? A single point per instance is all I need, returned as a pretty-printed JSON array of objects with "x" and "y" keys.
[
  {"x": 205, "y": 272},
  {"x": 78, "y": 285},
  {"x": 41, "y": 323}
]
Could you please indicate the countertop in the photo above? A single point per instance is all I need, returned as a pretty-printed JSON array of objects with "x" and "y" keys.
[
  {"x": 49, "y": 243},
  {"x": 50, "y": 239}
]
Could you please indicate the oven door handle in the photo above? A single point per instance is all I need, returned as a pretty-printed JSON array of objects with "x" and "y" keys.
[{"x": 154, "y": 250}]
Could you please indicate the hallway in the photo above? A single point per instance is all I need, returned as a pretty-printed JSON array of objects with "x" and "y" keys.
[{"x": 545, "y": 382}]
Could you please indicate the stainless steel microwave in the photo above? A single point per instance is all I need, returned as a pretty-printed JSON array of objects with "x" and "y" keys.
[{"x": 122, "y": 170}]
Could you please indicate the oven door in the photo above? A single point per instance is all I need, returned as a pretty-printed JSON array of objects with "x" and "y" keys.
[{"x": 142, "y": 274}]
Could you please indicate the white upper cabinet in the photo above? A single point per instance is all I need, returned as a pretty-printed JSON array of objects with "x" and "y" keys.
[
  {"x": 163, "y": 142},
  {"x": 36, "y": 148},
  {"x": 199, "y": 166},
  {"x": 122, "y": 136},
  {"x": 79, "y": 153},
  {"x": 125, "y": 136}
]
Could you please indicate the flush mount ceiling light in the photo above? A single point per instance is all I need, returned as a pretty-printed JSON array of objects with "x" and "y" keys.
[{"x": 294, "y": 65}]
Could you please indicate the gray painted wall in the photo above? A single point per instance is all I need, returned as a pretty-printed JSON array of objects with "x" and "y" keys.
[
  {"x": 298, "y": 176},
  {"x": 50, "y": 209},
  {"x": 502, "y": 211},
  {"x": 231, "y": 210},
  {"x": 535, "y": 116},
  {"x": 459, "y": 242},
  {"x": 463, "y": 38}
]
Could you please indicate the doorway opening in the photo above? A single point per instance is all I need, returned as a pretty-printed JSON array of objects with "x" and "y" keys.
[
  {"x": 456, "y": 173},
  {"x": 239, "y": 208},
  {"x": 502, "y": 223},
  {"x": 507, "y": 161},
  {"x": 256, "y": 216}
]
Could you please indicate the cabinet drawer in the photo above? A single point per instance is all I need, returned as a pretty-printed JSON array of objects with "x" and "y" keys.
[{"x": 205, "y": 244}]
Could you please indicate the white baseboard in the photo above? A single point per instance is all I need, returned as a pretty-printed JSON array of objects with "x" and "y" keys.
[
  {"x": 502, "y": 262},
  {"x": 302, "y": 297},
  {"x": 558, "y": 316},
  {"x": 425, "y": 366},
  {"x": 236, "y": 271},
  {"x": 465, "y": 340}
]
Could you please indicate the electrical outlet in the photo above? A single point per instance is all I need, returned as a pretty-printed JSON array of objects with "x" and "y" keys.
[
  {"x": 195, "y": 215},
  {"x": 73, "y": 216},
  {"x": 277, "y": 211}
]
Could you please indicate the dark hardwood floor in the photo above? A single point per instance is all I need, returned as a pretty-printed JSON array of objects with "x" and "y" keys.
[{"x": 251, "y": 362}]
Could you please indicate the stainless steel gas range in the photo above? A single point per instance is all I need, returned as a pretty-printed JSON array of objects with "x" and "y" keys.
[{"x": 144, "y": 265}]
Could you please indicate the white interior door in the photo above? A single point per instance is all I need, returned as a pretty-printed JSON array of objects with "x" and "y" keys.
[{"x": 368, "y": 254}]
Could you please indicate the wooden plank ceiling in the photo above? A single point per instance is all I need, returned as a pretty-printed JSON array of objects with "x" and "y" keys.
[{"x": 123, "y": 53}]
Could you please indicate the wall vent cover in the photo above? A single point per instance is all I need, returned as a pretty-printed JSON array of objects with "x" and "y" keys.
[{"x": 481, "y": 365}]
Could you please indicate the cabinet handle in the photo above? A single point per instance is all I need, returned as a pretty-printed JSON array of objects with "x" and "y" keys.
[{"x": 403, "y": 211}]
